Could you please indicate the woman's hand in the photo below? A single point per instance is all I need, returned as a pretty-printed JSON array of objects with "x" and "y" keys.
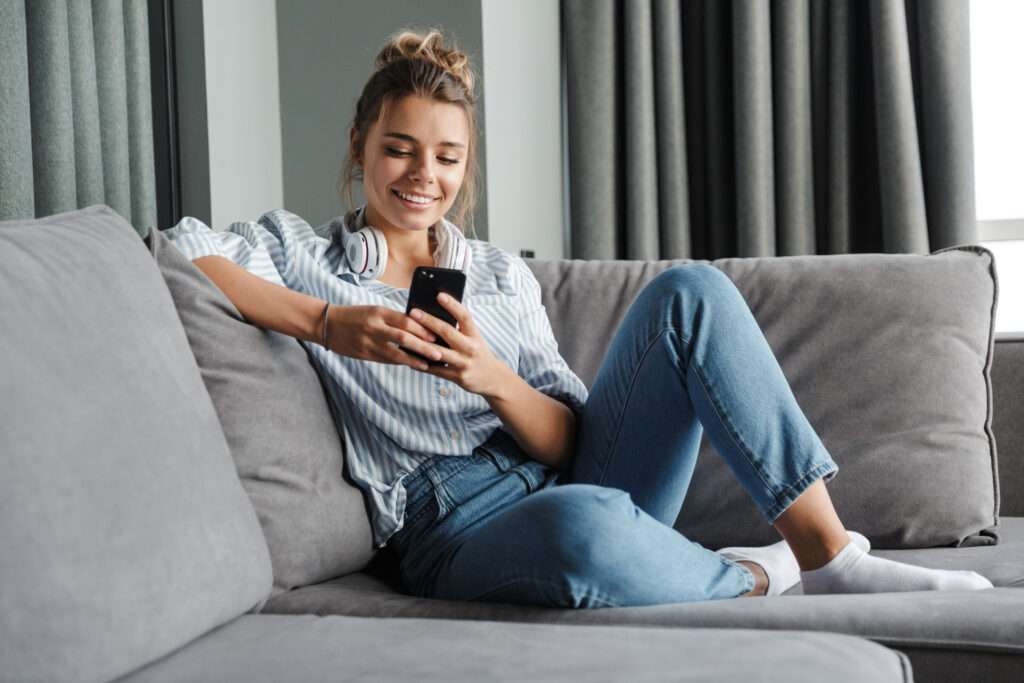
[
  {"x": 375, "y": 332},
  {"x": 471, "y": 364}
]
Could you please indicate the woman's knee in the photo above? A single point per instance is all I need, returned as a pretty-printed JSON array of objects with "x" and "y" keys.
[
  {"x": 585, "y": 524},
  {"x": 693, "y": 286},
  {"x": 702, "y": 277}
]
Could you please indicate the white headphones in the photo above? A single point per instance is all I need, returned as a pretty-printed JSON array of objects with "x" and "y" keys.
[{"x": 366, "y": 248}]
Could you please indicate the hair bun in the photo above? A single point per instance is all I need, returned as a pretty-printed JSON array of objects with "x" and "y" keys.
[{"x": 429, "y": 48}]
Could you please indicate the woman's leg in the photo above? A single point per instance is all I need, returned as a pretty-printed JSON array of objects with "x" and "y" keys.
[
  {"x": 571, "y": 545},
  {"x": 690, "y": 348},
  {"x": 690, "y": 356}
]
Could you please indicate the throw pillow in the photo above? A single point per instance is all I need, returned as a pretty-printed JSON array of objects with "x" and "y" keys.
[{"x": 278, "y": 422}]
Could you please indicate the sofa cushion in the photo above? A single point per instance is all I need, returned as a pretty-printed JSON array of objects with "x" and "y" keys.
[
  {"x": 957, "y": 632},
  {"x": 889, "y": 356},
  {"x": 125, "y": 531},
  {"x": 278, "y": 423},
  {"x": 272, "y": 648},
  {"x": 1008, "y": 419}
]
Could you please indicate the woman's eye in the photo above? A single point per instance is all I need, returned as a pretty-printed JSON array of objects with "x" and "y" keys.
[{"x": 394, "y": 151}]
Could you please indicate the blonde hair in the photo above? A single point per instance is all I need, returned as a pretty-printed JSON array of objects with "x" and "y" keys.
[{"x": 414, "y": 64}]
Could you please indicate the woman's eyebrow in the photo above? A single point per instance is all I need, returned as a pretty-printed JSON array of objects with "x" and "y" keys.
[{"x": 409, "y": 138}]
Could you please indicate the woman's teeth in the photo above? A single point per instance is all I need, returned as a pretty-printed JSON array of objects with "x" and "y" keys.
[{"x": 413, "y": 198}]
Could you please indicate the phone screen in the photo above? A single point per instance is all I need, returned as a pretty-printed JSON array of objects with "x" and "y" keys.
[{"x": 427, "y": 283}]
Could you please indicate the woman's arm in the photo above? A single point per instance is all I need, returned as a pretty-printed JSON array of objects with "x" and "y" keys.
[
  {"x": 544, "y": 427},
  {"x": 263, "y": 303},
  {"x": 363, "y": 332}
]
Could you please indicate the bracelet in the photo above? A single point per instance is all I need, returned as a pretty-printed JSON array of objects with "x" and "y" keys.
[{"x": 327, "y": 307}]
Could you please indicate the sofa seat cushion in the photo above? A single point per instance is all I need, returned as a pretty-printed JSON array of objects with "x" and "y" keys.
[
  {"x": 983, "y": 628},
  {"x": 276, "y": 648}
]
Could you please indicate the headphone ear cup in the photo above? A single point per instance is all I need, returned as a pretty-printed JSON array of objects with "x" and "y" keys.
[
  {"x": 453, "y": 250},
  {"x": 367, "y": 252}
]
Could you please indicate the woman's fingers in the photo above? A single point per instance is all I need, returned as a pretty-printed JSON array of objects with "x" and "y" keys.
[
  {"x": 463, "y": 319},
  {"x": 414, "y": 343},
  {"x": 395, "y": 356},
  {"x": 442, "y": 329},
  {"x": 403, "y": 322}
]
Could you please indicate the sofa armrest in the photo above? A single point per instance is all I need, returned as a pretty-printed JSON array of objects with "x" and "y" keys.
[{"x": 1008, "y": 420}]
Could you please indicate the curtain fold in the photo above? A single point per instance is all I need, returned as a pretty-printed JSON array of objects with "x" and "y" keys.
[
  {"x": 711, "y": 129},
  {"x": 75, "y": 108},
  {"x": 16, "y": 197}
]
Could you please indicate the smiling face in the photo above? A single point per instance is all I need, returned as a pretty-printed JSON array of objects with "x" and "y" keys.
[{"x": 414, "y": 162}]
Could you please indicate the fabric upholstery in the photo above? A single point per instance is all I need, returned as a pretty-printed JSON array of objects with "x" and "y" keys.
[
  {"x": 272, "y": 648},
  {"x": 888, "y": 355},
  {"x": 124, "y": 528},
  {"x": 1008, "y": 420},
  {"x": 971, "y": 631},
  {"x": 713, "y": 129},
  {"x": 277, "y": 420}
]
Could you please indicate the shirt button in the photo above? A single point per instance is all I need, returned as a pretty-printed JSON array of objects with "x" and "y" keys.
[
  {"x": 443, "y": 391},
  {"x": 455, "y": 435}
]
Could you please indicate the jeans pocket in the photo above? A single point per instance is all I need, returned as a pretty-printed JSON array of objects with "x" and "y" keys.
[{"x": 500, "y": 460}]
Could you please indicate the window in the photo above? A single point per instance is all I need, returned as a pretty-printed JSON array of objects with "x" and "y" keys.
[{"x": 997, "y": 53}]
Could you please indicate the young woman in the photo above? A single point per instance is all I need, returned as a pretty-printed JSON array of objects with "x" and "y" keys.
[{"x": 497, "y": 477}]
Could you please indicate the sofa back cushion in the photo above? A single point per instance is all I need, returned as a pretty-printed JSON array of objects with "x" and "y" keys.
[
  {"x": 277, "y": 420},
  {"x": 1008, "y": 420},
  {"x": 124, "y": 528},
  {"x": 888, "y": 355}
]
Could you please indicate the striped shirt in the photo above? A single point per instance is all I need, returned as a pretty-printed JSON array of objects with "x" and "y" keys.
[{"x": 393, "y": 417}]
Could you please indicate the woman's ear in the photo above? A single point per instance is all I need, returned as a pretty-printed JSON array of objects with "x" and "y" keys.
[{"x": 357, "y": 154}]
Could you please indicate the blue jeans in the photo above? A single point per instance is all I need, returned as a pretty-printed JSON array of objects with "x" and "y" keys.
[{"x": 689, "y": 355}]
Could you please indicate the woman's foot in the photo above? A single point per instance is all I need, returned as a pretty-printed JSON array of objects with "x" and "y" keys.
[
  {"x": 778, "y": 562},
  {"x": 854, "y": 571}
]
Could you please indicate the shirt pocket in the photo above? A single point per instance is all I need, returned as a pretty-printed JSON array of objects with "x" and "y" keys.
[{"x": 497, "y": 319}]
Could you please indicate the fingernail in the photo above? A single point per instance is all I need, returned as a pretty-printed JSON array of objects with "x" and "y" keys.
[
  {"x": 417, "y": 313},
  {"x": 442, "y": 297}
]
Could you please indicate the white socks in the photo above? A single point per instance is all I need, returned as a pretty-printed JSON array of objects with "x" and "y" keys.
[
  {"x": 854, "y": 571},
  {"x": 779, "y": 563}
]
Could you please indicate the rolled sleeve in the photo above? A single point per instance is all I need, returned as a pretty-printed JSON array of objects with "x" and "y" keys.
[
  {"x": 247, "y": 244},
  {"x": 540, "y": 363}
]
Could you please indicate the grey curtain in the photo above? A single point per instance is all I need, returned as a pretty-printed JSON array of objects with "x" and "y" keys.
[
  {"x": 75, "y": 108},
  {"x": 714, "y": 128}
]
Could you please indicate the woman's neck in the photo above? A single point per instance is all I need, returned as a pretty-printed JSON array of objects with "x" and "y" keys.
[{"x": 406, "y": 248}]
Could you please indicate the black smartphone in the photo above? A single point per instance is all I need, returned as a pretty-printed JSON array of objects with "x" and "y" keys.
[{"x": 427, "y": 283}]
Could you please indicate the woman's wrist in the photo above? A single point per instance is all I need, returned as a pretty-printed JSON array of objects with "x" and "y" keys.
[{"x": 324, "y": 327}]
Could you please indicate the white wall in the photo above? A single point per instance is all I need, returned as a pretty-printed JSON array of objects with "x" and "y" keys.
[
  {"x": 243, "y": 110},
  {"x": 523, "y": 136}
]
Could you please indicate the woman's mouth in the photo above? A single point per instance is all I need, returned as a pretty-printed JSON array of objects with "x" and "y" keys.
[{"x": 414, "y": 201}]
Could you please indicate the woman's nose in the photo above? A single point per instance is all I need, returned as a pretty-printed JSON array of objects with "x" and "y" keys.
[{"x": 423, "y": 170}]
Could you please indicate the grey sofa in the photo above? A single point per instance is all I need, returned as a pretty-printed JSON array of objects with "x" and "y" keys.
[{"x": 152, "y": 532}]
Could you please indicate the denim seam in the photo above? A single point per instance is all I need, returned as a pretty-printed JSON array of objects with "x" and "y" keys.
[
  {"x": 629, "y": 393},
  {"x": 766, "y": 480},
  {"x": 791, "y": 493},
  {"x": 444, "y": 501},
  {"x": 748, "y": 575},
  {"x": 533, "y": 581}
]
